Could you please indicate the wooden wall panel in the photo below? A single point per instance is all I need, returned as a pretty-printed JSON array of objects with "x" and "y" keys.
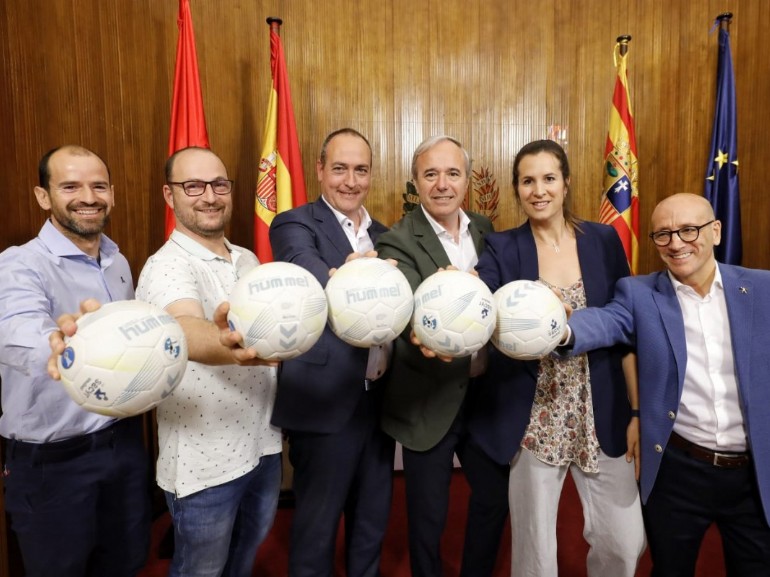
[{"x": 495, "y": 74}]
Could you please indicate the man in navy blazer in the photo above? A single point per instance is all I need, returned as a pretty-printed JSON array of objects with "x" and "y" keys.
[
  {"x": 701, "y": 333},
  {"x": 328, "y": 401}
]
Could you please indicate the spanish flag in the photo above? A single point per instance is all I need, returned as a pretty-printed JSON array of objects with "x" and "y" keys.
[
  {"x": 620, "y": 200},
  {"x": 280, "y": 182},
  {"x": 188, "y": 123}
]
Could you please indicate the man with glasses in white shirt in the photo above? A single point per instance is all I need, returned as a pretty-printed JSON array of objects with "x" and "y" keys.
[{"x": 219, "y": 460}]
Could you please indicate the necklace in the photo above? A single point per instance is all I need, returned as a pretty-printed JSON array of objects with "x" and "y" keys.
[{"x": 554, "y": 244}]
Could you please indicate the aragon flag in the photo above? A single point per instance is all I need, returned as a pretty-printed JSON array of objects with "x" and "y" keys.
[
  {"x": 188, "y": 123},
  {"x": 722, "y": 173},
  {"x": 280, "y": 181},
  {"x": 620, "y": 197}
]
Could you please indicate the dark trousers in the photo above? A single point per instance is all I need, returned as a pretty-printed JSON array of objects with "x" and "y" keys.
[
  {"x": 80, "y": 508},
  {"x": 427, "y": 477},
  {"x": 349, "y": 472},
  {"x": 689, "y": 495}
]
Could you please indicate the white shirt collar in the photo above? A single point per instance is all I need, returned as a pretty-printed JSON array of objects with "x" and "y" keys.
[
  {"x": 366, "y": 220},
  {"x": 196, "y": 249},
  {"x": 681, "y": 287},
  {"x": 440, "y": 230}
]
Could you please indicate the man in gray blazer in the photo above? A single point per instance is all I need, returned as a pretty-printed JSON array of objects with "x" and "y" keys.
[{"x": 424, "y": 397}]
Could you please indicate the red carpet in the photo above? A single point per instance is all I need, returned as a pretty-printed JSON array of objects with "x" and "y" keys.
[{"x": 272, "y": 558}]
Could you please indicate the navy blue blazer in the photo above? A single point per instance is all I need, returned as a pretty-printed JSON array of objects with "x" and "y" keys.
[
  {"x": 502, "y": 398},
  {"x": 646, "y": 313},
  {"x": 318, "y": 391}
]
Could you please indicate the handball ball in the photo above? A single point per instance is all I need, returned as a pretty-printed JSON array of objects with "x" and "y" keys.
[
  {"x": 454, "y": 313},
  {"x": 280, "y": 310},
  {"x": 370, "y": 302},
  {"x": 530, "y": 320},
  {"x": 124, "y": 359}
]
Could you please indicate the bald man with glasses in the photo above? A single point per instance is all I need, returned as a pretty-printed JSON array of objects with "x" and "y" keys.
[{"x": 701, "y": 333}]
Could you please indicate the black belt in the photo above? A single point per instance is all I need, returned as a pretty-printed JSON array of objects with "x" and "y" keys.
[
  {"x": 725, "y": 460},
  {"x": 60, "y": 451}
]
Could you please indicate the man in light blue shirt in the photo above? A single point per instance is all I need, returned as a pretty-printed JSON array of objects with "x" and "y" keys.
[{"x": 75, "y": 482}]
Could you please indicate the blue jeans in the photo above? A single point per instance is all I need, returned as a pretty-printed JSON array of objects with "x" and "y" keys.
[{"x": 218, "y": 530}]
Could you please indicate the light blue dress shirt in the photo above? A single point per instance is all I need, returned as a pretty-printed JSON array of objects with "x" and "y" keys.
[{"x": 39, "y": 281}]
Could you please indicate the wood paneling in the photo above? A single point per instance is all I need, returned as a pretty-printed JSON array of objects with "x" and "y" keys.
[{"x": 494, "y": 74}]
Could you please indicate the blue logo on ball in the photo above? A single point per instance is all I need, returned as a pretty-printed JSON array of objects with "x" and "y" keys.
[
  {"x": 172, "y": 348},
  {"x": 68, "y": 357}
]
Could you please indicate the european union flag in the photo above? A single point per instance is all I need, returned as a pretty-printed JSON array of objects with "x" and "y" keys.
[{"x": 722, "y": 172}]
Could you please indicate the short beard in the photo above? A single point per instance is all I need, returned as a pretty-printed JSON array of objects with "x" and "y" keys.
[{"x": 88, "y": 231}]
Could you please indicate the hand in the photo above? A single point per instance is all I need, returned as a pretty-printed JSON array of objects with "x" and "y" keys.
[
  {"x": 426, "y": 352},
  {"x": 632, "y": 440},
  {"x": 233, "y": 341},
  {"x": 67, "y": 327}
]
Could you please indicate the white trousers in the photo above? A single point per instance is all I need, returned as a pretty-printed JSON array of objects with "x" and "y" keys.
[{"x": 612, "y": 516}]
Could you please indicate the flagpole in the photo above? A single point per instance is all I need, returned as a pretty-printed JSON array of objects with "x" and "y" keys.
[
  {"x": 623, "y": 43},
  {"x": 275, "y": 23},
  {"x": 725, "y": 18}
]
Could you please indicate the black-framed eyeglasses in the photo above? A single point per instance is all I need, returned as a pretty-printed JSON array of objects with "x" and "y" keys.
[
  {"x": 220, "y": 186},
  {"x": 686, "y": 233}
]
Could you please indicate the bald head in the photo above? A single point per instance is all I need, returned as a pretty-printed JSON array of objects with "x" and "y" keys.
[{"x": 683, "y": 203}]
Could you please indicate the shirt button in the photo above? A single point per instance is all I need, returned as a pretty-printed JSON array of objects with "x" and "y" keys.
[
  {"x": 671, "y": 415},
  {"x": 658, "y": 449}
]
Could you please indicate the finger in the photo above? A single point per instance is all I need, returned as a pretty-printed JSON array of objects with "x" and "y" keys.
[
  {"x": 53, "y": 368},
  {"x": 56, "y": 342},
  {"x": 220, "y": 316},
  {"x": 89, "y": 306},
  {"x": 391, "y": 261},
  {"x": 67, "y": 324},
  {"x": 426, "y": 352}
]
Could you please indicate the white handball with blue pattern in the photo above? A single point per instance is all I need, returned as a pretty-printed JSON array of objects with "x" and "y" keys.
[
  {"x": 280, "y": 310},
  {"x": 370, "y": 302},
  {"x": 530, "y": 320},
  {"x": 124, "y": 359},
  {"x": 454, "y": 313}
]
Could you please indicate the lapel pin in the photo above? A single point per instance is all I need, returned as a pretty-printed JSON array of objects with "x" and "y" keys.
[{"x": 744, "y": 290}]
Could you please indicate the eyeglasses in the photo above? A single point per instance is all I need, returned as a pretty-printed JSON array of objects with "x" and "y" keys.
[
  {"x": 220, "y": 186},
  {"x": 687, "y": 234}
]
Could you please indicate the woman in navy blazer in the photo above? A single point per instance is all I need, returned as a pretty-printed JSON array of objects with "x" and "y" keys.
[{"x": 565, "y": 417}]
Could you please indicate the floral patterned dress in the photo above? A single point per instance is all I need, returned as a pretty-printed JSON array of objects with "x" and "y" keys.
[{"x": 561, "y": 426}]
